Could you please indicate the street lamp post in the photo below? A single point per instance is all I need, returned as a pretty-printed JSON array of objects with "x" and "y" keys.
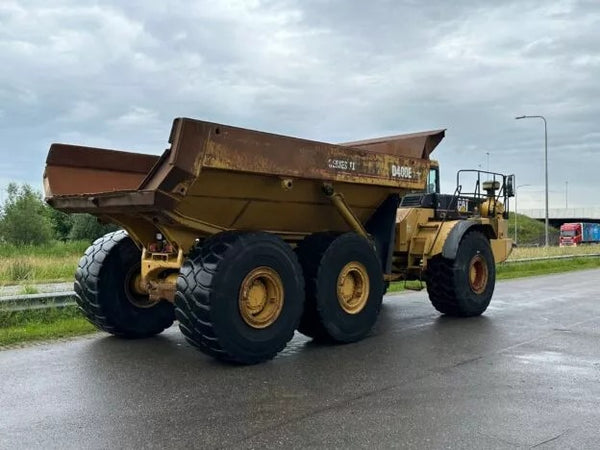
[
  {"x": 545, "y": 164},
  {"x": 516, "y": 192}
]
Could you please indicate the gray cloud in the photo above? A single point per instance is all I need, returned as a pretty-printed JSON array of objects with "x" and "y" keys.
[{"x": 115, "y": 75}]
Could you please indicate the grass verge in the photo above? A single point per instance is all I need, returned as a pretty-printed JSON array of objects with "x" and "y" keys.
[
  {"x": 31, "y": 264},
  {"x": 42, "y": 324},
  {"x": 531, "y": 268},
  {"x": 541, "y": 252}
]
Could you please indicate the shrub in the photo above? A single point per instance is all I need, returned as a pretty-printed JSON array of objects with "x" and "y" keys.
[
  {"x": 20, "y": 270},
  {"x": 86, "y": 227},
  {"x": 61, "y": 224},
  {"x": 25, "y": 218}
]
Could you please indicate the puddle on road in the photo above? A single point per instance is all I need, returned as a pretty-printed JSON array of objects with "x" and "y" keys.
[{"x": 559, "y": 361}]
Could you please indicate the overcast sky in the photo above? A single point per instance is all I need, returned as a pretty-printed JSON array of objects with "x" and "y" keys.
[{"x": 115, "y": 73}]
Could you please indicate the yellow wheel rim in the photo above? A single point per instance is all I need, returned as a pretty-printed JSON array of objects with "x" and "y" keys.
[
  {"x": 478, "y": 274},
  {"x": 261, "y": 297},
  {"x": 353, "y": 287}
]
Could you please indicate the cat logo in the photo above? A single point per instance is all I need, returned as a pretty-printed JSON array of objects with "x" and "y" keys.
[{"x": 462, "y": 205}]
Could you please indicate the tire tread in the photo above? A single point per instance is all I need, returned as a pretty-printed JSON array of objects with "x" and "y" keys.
[
  {"x": 89, "y": 296},
  {"x": 196, "y": 294},
  {"x": 442, "y": 282}
]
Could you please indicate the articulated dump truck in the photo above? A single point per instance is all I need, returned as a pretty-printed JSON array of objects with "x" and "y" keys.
[{"x": 245, "y": 237}]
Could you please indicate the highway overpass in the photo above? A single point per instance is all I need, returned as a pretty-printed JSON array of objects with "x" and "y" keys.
[{"x": 558, "y": 216}]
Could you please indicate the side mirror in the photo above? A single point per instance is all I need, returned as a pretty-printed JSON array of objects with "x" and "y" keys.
[{"x": 509, "y": 186}]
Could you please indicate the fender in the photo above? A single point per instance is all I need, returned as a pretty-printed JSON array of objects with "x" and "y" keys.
[{"x": 451, "y": 245}]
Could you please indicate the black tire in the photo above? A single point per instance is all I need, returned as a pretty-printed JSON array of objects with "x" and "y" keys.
[
  {"x": 448, "y": 281},
  {"x": 323, "y": 267},
  {"x": 208, "y": 297},
  {"x": 103, "y": 295},
  {"x": 310, "y": 252}
]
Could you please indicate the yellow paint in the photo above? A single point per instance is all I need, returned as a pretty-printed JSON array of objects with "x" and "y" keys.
[
  {"x": 491, "y": 208},
  {"x": 154, "y": 265},
  {"x": 501, "y": 248},
  {"x": 408, "y": 221},
  {"x": 419, "y": 238}
]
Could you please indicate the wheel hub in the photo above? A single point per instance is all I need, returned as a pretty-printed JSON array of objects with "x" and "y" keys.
[
  {"x": 134, "y": 291},
  {"x": 261, "y": 297},
  {"x": 478, "y": 274},
  {"x": 353, "y": 287}
]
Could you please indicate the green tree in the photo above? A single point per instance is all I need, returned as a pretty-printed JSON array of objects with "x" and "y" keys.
[
  {"x": 61, "y": 223},
  {"x": 86, "y": 227},
  {"x": 25, "y": 219}
]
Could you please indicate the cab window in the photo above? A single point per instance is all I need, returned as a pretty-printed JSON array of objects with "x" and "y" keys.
[{"x": 433, "y": 181}]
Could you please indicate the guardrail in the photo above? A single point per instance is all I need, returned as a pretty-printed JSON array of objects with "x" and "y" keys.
[
  {"x": 63, "y": 299},
  {"x": 37, "y": 301}
]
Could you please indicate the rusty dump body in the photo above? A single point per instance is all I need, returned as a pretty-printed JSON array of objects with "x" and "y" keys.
[{"x": 216, "y": 177}]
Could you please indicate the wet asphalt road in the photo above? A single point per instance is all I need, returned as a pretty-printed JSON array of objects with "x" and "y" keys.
[{"x": 524, "y": 375}]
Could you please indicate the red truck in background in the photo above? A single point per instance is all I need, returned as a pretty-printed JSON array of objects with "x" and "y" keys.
[{"x": 574, "y": 234}]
